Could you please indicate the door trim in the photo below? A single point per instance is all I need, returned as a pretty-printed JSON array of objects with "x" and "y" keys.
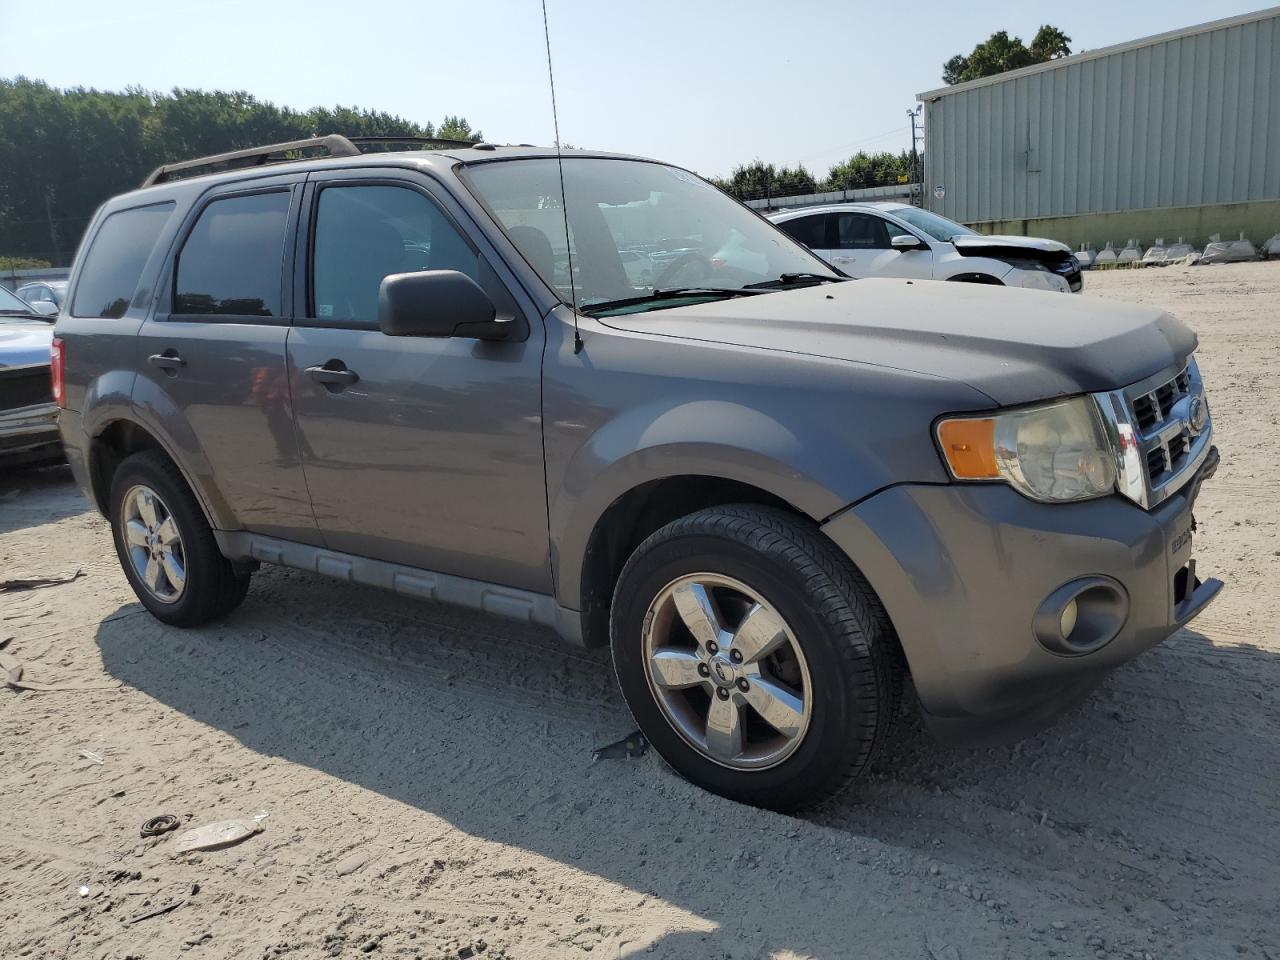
[{"x": 510, "y": 603}]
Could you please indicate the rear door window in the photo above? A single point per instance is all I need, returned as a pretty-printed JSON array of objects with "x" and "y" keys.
[
  {"x": 113, "y": 266},
  {"x": 810, "y": 230},
  {"x": 232, "y": 261}
]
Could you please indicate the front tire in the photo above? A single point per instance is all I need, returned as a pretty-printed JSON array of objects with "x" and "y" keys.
[
  {"x": 754, "y": 656},
  {"x": 166, "y": 547}
]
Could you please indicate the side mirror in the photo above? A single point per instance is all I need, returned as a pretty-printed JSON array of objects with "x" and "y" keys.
[
  {"x": 438, "y": 303},
  {"x": 904, "y": 241},
  {"x": 46, "y": 308}
]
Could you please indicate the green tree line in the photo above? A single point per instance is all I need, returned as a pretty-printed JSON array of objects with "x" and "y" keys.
[
  {"x": 757, "y": 180},
  {"x": 63, "y": 152}
]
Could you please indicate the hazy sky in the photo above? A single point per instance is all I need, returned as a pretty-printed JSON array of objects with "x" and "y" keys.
[{"x": 704, "y": 84}]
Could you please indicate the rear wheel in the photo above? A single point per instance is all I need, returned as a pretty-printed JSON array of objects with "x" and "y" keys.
[
  {"x": 166, "y": 546},
  {"x": 754, "y": 656}
]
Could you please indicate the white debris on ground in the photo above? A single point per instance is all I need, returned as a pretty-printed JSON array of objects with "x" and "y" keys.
[{"x": 432, "y": 794}]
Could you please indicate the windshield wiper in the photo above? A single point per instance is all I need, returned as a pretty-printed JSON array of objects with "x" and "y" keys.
[
  {"x": 789, "y": 279},
  {"x": 670, "y": 294}
]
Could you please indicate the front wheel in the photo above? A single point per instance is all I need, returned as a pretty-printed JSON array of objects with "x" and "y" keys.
[{"x": 754, "y": 656}]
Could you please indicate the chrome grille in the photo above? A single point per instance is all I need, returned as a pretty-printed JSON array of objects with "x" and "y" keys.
[{"x": 1158, "y": 443}]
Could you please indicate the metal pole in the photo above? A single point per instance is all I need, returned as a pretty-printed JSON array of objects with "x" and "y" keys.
[{"x": 915, "y": 162}]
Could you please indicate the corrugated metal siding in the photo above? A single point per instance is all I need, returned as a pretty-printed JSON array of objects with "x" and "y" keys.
[{"x": 1188, "y": 121}]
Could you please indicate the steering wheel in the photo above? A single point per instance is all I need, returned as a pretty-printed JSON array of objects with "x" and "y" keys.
[{"x": 679, "y": 263}]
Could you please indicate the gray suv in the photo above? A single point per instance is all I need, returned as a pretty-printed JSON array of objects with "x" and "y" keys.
[{"x": 777, "y": 493}]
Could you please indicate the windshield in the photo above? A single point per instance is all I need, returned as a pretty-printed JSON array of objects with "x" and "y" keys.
[
  {"x": 634, "y": 228},
  {"x": 13, "y": 309},
  {"x": 940, "y": 228}
]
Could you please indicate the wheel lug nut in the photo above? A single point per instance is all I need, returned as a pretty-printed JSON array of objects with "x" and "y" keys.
[
  {"x": 713, "y": 647},
  {"x": 704, "y": 670},
  {"x": 722, "y": 693},
  {"x": 735, "y": 656},
  {"x": 744, "y": 686}
]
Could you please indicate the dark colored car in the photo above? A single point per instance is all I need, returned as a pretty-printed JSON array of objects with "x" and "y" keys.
[{"x": 773, "y": 491}]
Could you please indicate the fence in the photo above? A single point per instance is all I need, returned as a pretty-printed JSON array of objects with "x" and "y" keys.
[{"x": 901, "y": 192}]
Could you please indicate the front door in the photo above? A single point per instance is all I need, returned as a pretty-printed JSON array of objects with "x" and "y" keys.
[
  {"x": 431, "y": 454},
  {"x": 863, "y": 248},
  {"x": 211, "y": 358}
]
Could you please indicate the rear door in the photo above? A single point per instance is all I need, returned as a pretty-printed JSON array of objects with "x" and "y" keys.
[
  {"x": 211, "y": 358},
  {"x": 812, "y": 230},
  {"x": 431, "y": 454},
  {"x": 863, "y": 248}
]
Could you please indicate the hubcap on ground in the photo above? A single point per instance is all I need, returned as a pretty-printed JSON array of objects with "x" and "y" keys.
[
  {"x": 727, "y": 671},
  {"x": 153, "y": 542}
]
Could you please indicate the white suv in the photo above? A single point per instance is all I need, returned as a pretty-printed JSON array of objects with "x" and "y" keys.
[{"x": 898, "y": 240}]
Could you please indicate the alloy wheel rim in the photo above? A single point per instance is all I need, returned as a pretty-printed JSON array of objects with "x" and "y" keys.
[
  {"x": 154, "y": 544},
  {"x": 727, "y": 671}
]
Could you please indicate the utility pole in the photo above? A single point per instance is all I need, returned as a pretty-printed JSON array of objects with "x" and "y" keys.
[{"x": 917, "y": 196}]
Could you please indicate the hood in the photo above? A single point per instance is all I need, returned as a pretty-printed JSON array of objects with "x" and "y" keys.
[
  {"x": 24, "y": 344},
  {"x": 967, "y": 244},
  {"x": 1049, "y": 252},
  {"x": 1016, "y": 346}
]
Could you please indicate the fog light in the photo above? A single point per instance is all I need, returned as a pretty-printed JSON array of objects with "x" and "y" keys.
[
  {"x": 1082, "y": 616},
  {"x": 1067, "y": 621}
]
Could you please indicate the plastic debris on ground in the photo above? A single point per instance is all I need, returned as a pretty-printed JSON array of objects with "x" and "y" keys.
[
  {"x": 629, "y": 747},
  {"x": 35, "y": 583},
  {"x": 147, "y": 915},
  {"x": 215, "y": 836},
  {"x": 157, "y": 826},
  {"x": 1228, "y": 251}
]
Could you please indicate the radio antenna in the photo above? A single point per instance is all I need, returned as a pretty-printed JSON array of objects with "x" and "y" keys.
[{"x": 564, "y": 203}]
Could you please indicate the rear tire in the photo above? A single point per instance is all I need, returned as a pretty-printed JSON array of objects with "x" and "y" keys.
[
  {"x": 166, "y": 546},
  {"x": 832, "y": 687}
]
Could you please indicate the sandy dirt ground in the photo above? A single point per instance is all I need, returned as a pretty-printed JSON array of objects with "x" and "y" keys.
[{"x": 429, "y": 790}]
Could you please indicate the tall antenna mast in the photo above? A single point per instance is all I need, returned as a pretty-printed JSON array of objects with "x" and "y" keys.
[{"x": 564, "y": 203}]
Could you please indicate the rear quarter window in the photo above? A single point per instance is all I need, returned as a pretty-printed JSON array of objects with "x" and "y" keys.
[{"x": 113, "y": 264}]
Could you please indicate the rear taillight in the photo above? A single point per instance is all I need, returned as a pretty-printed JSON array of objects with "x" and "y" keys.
[{"x": 57, "y": 360}]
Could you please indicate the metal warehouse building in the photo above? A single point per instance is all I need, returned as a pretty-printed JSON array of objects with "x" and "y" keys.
[{"x": 1176, "y": 134}]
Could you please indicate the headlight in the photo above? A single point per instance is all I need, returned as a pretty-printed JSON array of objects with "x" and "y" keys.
[
  {"x": 1055, "y": 452},
  {"x": 1038, "y": 278}
]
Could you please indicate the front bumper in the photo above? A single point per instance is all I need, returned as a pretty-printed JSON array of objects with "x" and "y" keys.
[
  {"x": 964, "y": 569},
  {"x": 29, "y": 433}
]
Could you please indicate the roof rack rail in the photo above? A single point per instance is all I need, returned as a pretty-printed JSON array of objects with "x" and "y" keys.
[
  {"x": 334, "y": 144},
  {"x": 412, "y": 142}
]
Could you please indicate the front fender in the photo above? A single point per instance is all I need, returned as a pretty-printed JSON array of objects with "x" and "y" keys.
[{"x": 708, "y": 438}]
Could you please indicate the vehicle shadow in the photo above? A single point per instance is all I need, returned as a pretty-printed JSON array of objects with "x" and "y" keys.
[{"x": 490, "y": 726}]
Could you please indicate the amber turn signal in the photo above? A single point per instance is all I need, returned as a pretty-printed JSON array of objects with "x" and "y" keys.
[{"x": 970, "y": 448}]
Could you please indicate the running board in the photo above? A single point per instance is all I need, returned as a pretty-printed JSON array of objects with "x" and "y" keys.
[{"x": 491, "y": 598}]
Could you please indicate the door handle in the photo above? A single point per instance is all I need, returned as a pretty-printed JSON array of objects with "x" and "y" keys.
[
  {"x": 333, "y": 373},
  {"x": 844, "y": 259},
  {"x": 168, "y": 361}
]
